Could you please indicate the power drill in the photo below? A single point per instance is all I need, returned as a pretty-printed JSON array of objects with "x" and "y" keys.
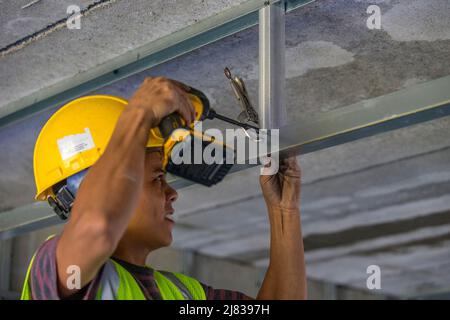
[{"x": 173, "y": 131}]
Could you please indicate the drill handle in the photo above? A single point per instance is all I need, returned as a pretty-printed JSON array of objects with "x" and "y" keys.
[
  {"x": 170, "y": 123},
  {"x": 174, "y": 120}
]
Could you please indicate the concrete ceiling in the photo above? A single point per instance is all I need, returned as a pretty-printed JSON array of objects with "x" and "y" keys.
[{"x": 382, "y": 200}]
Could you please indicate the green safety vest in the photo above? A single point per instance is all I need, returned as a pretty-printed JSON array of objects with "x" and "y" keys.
[{"x": 117, "y": 283}]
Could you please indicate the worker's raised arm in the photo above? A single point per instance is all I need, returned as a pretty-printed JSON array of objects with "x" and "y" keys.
[
  {"x": 109, "y": 193},
  {"x": 286, "y": 275}
]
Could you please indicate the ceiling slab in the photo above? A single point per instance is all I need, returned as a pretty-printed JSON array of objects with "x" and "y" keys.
[{"x": 19, "y": 21}]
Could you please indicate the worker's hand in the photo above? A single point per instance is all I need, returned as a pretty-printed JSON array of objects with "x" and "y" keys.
[
  {"x": 282, "y": 190},
  {"x": 161, "y": 97}
]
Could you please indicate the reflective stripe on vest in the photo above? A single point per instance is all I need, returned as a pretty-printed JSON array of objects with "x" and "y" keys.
[
  {"x": 26, "y": 291},
  {"x": 117, "y": 283},
  {"x": 183, "y": 290}
]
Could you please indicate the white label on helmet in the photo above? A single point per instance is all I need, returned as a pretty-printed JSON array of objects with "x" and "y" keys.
[{"x": 75, "y": 143}]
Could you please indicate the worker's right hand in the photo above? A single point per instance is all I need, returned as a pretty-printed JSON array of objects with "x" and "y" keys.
[{"x": 160, "y": 97}]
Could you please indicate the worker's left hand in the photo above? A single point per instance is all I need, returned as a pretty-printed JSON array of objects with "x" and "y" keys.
[{"x": 282, "y": 190}]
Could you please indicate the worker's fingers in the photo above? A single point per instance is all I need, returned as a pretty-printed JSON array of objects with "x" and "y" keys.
[
  {"x": 289, "y": 167},
  {"x": 184, "y": 112},
  {"x": 291, "y": 177},
  {"x": 292, "y": 162},
  {"x": 291, "y": 191},
  {"x": 180, "y": 100},
  {"x": 190, "y": 108},
  {"x": 270, "y": 187},
  {"x": 147, "y": 80},
  {"x": 190, "y": 105},
  {"x": 181, "y": 85},
  {"x": 263, "y": 179},
  {"x": 184, "y": 89},
  {"x": 186, "y": 106},
  {"x": 269, "y": 180}
]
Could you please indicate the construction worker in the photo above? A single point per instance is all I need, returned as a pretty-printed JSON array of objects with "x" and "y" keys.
[{"x": 123, "y": 207}]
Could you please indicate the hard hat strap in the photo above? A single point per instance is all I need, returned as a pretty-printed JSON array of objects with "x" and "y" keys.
[
  {"x": 65, "y": 193},
  {"x": 62, "y": 203}
]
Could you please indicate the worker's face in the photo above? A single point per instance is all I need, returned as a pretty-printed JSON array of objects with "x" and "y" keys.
[{"x": 150, "y": 225}]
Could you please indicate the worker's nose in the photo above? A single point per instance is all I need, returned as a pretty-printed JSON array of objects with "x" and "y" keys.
[{"x": 171, "y": 194}]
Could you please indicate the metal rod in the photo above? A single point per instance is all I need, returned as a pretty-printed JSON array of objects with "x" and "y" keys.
[
  {"x": 235, "y": 122},
  {"x": 272, "y": 112}
]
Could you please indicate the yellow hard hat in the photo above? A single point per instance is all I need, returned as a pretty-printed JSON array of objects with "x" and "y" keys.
[{"x": 74, "y": 138}]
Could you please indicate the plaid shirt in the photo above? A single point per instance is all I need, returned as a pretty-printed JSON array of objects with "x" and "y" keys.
[{"x": 44, "y": 281}]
